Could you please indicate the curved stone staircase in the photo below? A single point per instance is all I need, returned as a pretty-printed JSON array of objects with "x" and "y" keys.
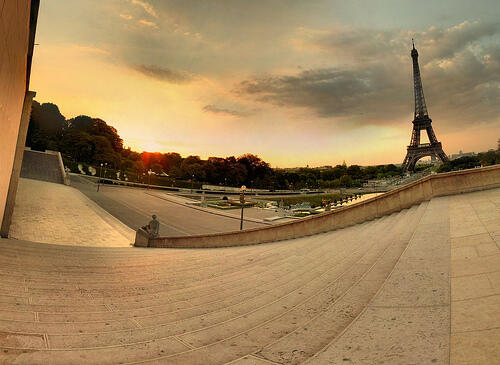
[{"x": 369, "y": 293}]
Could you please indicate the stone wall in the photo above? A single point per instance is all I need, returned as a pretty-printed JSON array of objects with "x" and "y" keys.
[
  {"x": 15, "y": 40},
  {"x": 43, "y": 166},
  {"x": 395, "y": 200}
]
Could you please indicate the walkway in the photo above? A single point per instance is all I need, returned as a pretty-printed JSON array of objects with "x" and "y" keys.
[
  {"x": 421, "y": 286},
  {"x": 134, "y": 206},
  {"x": 56, "y": 213}
]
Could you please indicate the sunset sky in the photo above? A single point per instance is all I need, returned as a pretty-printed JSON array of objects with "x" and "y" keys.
[{"x": 296, "y": 82}]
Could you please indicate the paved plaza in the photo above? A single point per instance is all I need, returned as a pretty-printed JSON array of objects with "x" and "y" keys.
[
  {"x": 56, "y": 213},
  {"x": 421, "y": 286},
  {"x": 134, "y": 206}
]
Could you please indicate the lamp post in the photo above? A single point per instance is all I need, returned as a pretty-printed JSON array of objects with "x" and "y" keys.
[
  {"x": 99, "y": 180},
  {"x": 242, "y": 201},
  {"x": 149, "y": 179},
  {"x": 192, "y": 182}
]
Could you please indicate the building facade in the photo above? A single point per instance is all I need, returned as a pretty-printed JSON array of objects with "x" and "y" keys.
[{"x": 17, "y": 37}]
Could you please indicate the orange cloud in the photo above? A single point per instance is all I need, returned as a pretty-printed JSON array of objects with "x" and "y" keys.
[
  {"x": 147, "y": 23},
  {"x": 148, "y": 8}
]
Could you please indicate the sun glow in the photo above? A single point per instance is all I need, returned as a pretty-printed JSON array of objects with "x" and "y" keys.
[{"x": 147, "y": 145}]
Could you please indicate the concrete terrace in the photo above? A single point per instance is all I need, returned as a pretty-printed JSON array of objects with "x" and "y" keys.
[
  {"x": 59, "y": 214},
  {"x": 414, "y": 287}
]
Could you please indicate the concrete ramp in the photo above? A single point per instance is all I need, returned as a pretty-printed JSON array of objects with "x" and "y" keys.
[
  {"x": 44, "y": 166},
  {"x": 59, "y": 214}
]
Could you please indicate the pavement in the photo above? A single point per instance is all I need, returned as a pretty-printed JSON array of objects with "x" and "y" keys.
[
  {"x": 55, "y": 213},
  {"x": 251, "y": 214},
  {"x": 421, "y": 286},
  {"x": 134, "y": 207}
]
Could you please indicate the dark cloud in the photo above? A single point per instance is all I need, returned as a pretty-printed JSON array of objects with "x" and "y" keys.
[
  {"x": 446, "y": 43},
  {"x": 460, "y": 70},
  {"x": 370, "y": 44},
  {"x": 164, "y": 74},
  {"x": 364, "y": 95},
  {"x": 360, "y": 44},
  {"x": 329, "y": 92},
  {"x": 217, "y": 110}
]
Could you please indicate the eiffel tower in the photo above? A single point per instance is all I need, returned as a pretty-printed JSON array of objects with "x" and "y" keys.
[{"x": 421, "y": 121}]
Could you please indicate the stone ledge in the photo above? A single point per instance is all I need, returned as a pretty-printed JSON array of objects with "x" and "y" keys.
[{"x": 455, "y": 182}]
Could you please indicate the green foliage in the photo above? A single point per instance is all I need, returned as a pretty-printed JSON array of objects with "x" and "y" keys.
[
  {"x": 423, "y": 166},
  {"x": 80, "y": 139},
  {"x": 91, "y": 141},
  {"x": 466, "y": 162},
  {"x": 489, "y": 158},
  {"x": 46, "y": 127}
]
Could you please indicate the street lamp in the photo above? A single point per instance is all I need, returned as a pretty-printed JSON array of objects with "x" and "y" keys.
[
  {"x": 149, "y": 173},
  {"x": 242, "y": 201},
  {"x": 99, "y": 180},
  {"x": 192, "y": 182}
]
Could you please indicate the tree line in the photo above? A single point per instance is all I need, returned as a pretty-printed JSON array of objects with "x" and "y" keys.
[
  {"x": 88, "y": 141},
  {"x": 91, "y": 141}
]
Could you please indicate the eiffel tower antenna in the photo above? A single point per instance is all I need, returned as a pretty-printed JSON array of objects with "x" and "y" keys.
[{"x": 421, "y": 121}]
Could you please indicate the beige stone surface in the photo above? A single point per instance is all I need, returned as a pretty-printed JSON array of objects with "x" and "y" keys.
[
  {"x": 475, "y": 278},
  {"x": 59, "y": 214},
  {"x": 387, "y": 291}
]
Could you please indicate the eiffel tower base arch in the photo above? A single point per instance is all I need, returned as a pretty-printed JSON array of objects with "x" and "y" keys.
[{"x": 415, "y": 153}]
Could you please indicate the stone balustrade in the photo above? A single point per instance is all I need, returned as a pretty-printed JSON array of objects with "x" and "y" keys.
[{"x": 424, "y": 189}]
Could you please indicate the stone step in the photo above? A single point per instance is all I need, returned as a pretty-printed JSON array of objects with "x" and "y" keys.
[
  {"x": 297, "y": 346},
  {"x": 242, "y": 297},
  {"x": 411, "y": 307}
]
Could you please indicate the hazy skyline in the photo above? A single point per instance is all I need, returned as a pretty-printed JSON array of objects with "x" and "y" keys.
[{"x": 295, "y": 82}]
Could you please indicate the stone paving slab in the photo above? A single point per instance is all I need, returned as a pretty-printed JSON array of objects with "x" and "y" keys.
[
  {"x": 475, "y": 278},
  {"x": 403, "y": 336},
  {"x": 476, "y": 347},
  {"x": 58, "y": 214},
  {"x": 395, "y": 290}
]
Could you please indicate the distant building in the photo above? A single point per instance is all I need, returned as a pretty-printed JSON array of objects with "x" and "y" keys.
[{"x": 461, "y": 154}]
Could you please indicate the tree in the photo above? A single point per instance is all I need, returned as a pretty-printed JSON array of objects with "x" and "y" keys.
[
  {"x": 78, "y": 146},
  {"x": 81, "y": 123},
  {"x": 257, "y": 170},
  {"x": 192, "y": 167},
  {"x": 46, "y": 127},
  {"x": 103, "y": 152},
  {"x": 346, "y": 181},
  {"x": 97, "y": 127},
  {"x": 466, "y": 162},
  {"x": 101, "y": 128},
  {"x": 139, "y": 167},
  {"x": 170, "y": 160},
  {"x": 489, "y": 158}
]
